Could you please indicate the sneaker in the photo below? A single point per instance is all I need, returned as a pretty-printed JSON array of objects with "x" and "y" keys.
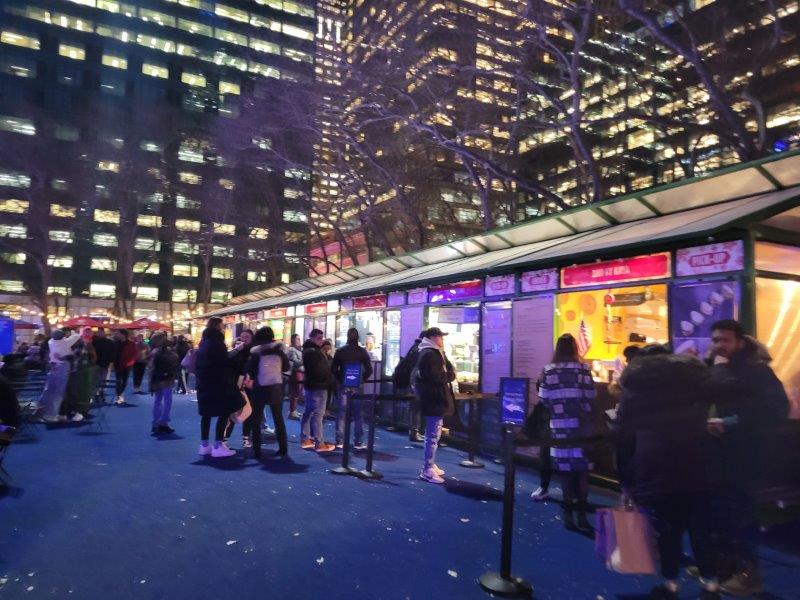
[
  {"x": 77, "y": 418},
  {"x": 295, "y": 416},
  {"x": 164, "y": 429},
  {"x": 246, "y": 443},
  {"x": 268, "y": 431},
  {"x": 120, "y": 401},
  {"x": 204, "y": 449},
  {"x": 323, "y": 448},
  {"x": 438, "y": 470},
  {"x": 307, "y": 444},
  {"x": 743, "y": 584},
  {"x": 361, "y": 446},
  {"x": 339, "y": 445},
  {"x": 221, "y": 450},
  {"x": 431, "y": 476},
  {"x": 540, "y": 494}
]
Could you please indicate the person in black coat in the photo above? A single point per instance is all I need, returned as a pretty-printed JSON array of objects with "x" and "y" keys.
[
  {"x": 265, "y": 369},
  {"x": 217, "y": 395},
  {"x": 663, "y": 458},
  {"x": 351, "y": 352},
  {"x": 431, "y": 381},
  {"x": 318, "y": 378}
]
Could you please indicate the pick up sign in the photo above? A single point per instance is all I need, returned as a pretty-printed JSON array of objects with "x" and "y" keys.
[
  {"x": 711, "y": 258},
  {"x": 499, "y": 285}
]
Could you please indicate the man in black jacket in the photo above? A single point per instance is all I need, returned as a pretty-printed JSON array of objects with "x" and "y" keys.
[
  {"x": 351, "y": 352},
  {"x": 750, "y": 404},
  {"x": 106, "y": 353},
  {"x": 431, "y": 380},
  {"x": 318, "y": 378}
]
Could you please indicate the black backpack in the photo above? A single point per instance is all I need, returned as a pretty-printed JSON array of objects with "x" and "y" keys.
[{"x": 401, "y": 377}]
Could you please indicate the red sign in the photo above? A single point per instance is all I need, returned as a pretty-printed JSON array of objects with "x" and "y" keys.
[
  {"x": 320, "y": 308},
  {"x": 500, "y": 285},
  {"x": 712, "y": 258},
  {"x": 376, "y": 301},
  {"x": 541, "y": 280},
  {"x": 455, "y": 291},
  {"x": 251, "y": 316},
  {"x": 275, "y": 313},
  {"x": 230, "y": 319},
  {"x": 649, "y": 266}
]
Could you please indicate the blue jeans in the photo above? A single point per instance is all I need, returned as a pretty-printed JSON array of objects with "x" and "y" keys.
[
  {"x": 162, "y": 403},
  {"x": 311, "y": 424},
  {"x": 53, "y": 394},
  {"x": 357, "y": 413},
  {"x": 433, "y": 431}
]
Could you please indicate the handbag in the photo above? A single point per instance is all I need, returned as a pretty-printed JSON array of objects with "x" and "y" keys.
[
  {"x": 241, "y": 415},
  {"x": 624, "y": 541}
]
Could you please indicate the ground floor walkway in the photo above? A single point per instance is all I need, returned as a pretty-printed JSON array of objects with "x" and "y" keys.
[{"x": 113, "y": 513}]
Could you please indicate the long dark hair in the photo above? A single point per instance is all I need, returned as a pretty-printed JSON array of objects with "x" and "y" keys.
[{"x": 566, "y": 349}]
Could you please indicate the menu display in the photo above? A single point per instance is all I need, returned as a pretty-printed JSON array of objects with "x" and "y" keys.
[
  {"x": 533, "y": 335},
  {"x": 495, "y": 345},
  {"x": 695, "y": 307}
]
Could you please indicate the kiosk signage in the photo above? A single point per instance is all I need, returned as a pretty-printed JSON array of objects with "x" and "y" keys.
[
  {"x": 541, "y": 280},
  {"x": 456, "y": 291},
  {"x": 712, "y": 258},
  {"x": 376, "y": 301},
  {"x": 320, "y": 308},
  {"x": 397, "y": 299},
  {"x": 352, "y": 375},
  {"x": 418, "y": 295},
  {"x": 500, "y": 285},
  {"x": 514, "y": 399},
  {"x": 6, "y": 335},
  {"x": 636, "y": 268}
]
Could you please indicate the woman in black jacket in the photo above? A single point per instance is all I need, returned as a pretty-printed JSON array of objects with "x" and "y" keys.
[
  {"x": 217, "y": 395},
  {"x": 266, "y": 366},
  {"x": 662, "y": 457},
  {"x": 431, "y": 380}
]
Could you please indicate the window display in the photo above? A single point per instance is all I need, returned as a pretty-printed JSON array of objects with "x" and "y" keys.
[
  {"x": 605, "y": 322},
  {"x": 392, "y": 342},
  {"x": 462, "y": 324},
  {"x": 370, "y": 329},
  {"x": 343, "y": 323}
]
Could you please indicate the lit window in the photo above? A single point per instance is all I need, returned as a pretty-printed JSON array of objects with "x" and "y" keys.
[
  {"x": 14, "y": 231},
  {"x": 58, "y": 290},
  {"x": 220, "y": 297},
  {"x": 184, "y": 270},
  {"x": 231, "y": 13},
  {"x": 123, "y": 35},
  {"x": 14, "y": 206},
  {"x": 187, "y": 225},
  {"x": 106, "y": 216},
  {"x": 104, "y": 239},
  {"x": 182, "y": 201},
  {"x": 102, "y": 290},
  {"x": 11, "y": 285},
  {"x": 117, "y": 62},
  {"x": 224, "y": 251},
  {"x": 109, "y": 5},
  {"x": 297, "y": 174},
  {"x": 190, "y": 154},
  {"x": 193, "y": 79},
  {"x": 265, "y": 70},
  {"x": 147, "y": 244},
  {"x": 263, "y": 143},
  {"x": 66, "y": 133},
  {"x": 108, "y": 165},
  {"x": 150, "y": 268},
  {"x": 17, "y": 125},
  {"x": 259, "y": 233},
  {"x": 153, "y": 70},
  {"x": 227, "y": 184},
  {"x": 146, "y": 293},
  {"x": 104, "y": 264},
  {"x": 221, "y": 273},
  {"x": 298, "y": 32},
  {"x": 148, "y": 220},
  {"x": 256, "y": 276},
  {"x": 224, "y": 228},
  {"x": 59, "y": 184},
  {"x": 146, "y": 14},
  {"x": 14, "y": 179},
  {"x": 228, "y": 87},
  {"x": 230, "y": 37},
  {"x": 73, "y": 52},
  {"x": 155, "y": 43},
  {"x": 264, "y": 46},
  {"x": 186, "y": 248},
  {"x": 184, "y": 295},
  {"x": 13, "y": 258},
  {"x": 18, "y": 67},
  {"x": 18, "y": 39},
  {"x": 295, "y": 216},
  {"x": 190, "y": 178},
  {"x": 286, "y": 278},
  {"x": 61, "y": 236},
  {"x": 59, "y": 210},
  {"x": 193, "y": 27}
]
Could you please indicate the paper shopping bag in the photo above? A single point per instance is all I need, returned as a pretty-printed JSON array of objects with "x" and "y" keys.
[{"x": 624, "y": 541}]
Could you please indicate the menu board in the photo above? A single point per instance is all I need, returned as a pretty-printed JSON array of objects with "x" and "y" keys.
[
  {"x": 495, "y": 345},
  {"x": 533, "y": 335},
  {"x": 412, "y": 320},
  {"x": 695, "y": 307}
]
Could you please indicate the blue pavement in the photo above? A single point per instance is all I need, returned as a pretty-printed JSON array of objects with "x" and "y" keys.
[{"x": 117, "y": 514}]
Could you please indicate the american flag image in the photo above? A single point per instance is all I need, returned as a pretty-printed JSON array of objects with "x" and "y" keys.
[{"x": 584, "y": 338}]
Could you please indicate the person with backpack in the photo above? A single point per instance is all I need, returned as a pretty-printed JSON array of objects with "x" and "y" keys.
[
  {"x": 163, "y": 367},
  {"x": 265, "y": 368},
  {"x": 431, "y": 379},
  {"x": 351, "y": 352},
  {"x": 401, "y": 378}
]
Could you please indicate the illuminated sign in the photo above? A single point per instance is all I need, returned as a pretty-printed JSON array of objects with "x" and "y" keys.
[
  {"x": 637, "y": 268},
  {"x": 541, "y": 280},
  {"x": 500, "y": 285},
  {"x": 455, "y": 291},
  {"x": 712, "y": 258}
]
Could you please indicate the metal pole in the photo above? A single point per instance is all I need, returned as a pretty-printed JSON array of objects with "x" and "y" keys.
[
  {"x": 471, "y": 463},
  {"x": 368, "y": 473},
  {"x": 345, "y": 468}
]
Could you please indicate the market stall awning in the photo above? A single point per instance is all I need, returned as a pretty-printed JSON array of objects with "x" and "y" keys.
[
  {"x": 81, "y": 322},
  {"x": 143, "y": 323},
  {"x": 703, "y": 205}
]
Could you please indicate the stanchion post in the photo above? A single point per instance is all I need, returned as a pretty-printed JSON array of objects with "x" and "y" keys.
[
  {"x": 471, "y": 463},
  {"x": 368, "y": 473},
  {"x": 503, "y": 583},
  {"x": 345, "y": 469}
]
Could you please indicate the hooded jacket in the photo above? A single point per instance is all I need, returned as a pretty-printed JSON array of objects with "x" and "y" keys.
[
  {"x": 217, "y": 395},
  {"x": 351, "y": 353},
  {"x": 315, "y": 363},
  {"x": 267, "y": 364},
  {"x": 432, "y": 381}
]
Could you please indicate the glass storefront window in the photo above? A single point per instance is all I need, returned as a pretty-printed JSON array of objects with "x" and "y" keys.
[
  {"x": 370, "y": 330},
  {"x": 462, "y": 324},
  {"x": 777, "y": 258},
  {"x": 778, "y": 326},
  {"x": 392, "y": 342},
  {"x": 343, "y": 323}
]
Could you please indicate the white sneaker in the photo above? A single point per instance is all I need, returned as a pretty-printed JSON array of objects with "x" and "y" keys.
[
  {"x": 431, "y": 476},
  {"x": 268, "y": 431},
  {"x": 246, "y": 443},
  {"x": 120, "y": 401},
  {"x": 540, "y": 495},
  {"x": 436, "y": 469},
  {"x": 204, "y": 449},
  {"x": 221, "y": 450},
  {"x": 77, "y": 418}
]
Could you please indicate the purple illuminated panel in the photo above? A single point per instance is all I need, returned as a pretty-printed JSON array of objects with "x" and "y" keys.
[{"x": 454, "y": 292}]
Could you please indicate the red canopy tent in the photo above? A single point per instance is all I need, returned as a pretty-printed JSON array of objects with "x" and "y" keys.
[
  {"x": 82, "y": 321},
  {"x": 143, "y": 323},
  {"x": 26, "y": 325}
]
